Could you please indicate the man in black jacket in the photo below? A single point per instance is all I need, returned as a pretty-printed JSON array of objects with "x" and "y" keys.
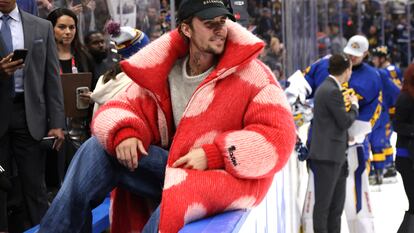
[{"x": 404, "y": 127}]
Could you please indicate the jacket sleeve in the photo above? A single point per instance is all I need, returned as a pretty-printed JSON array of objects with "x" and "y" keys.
[
  {"x": 403, "y": 113},
  {"x": 53, "y": 86},
  {"x": 133, "y": 113},
  {"x": 264, "y": 145}
]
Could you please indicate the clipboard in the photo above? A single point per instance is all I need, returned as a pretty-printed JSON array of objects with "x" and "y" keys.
[{"x": 69, "y": 84}]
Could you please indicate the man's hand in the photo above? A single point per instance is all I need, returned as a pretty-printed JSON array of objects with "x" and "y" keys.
[
  {"x": 127, "y": 153},
  {"x": 60, "y": 137},
  {"x": 8, "y": 67},
  {"x": 195, "y": 159},
  {"x": 44, "y": 4},
  {"x": 91, "y": 5},
  {"x": 86, "y": 97},
  {"x": 353, "y": 99},
  {"x": 77, "y": 9}
]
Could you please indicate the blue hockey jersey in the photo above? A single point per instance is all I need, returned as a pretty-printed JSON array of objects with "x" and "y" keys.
[
  {"x": 391, "y": 78},
  {"x": 365, "y": 80}
]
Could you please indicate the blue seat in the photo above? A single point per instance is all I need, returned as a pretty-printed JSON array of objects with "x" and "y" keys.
[
  {"x": 100, "y": 218},
  {"x": 228, "y": 222}
]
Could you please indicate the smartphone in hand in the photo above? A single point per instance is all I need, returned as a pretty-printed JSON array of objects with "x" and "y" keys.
[
  {"x": 76, "y": 2},
  {"x": 80, "y": 103},
  {"x": 19, "y": 54}
]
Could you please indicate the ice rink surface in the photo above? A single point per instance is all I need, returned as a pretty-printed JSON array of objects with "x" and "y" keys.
[{"x": 389, "y": 203}]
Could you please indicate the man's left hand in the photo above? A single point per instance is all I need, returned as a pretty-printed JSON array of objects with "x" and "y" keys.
[
  {"x": 195, "y": 159},
  {"x": 60, "y": 137}
]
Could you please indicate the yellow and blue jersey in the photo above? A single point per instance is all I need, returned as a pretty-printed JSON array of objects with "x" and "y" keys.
[
  {"x": 316, "y": 73},
  {"x": 365, "y": 80},
  {"x": 391, "y": 78},
  {"x": 382, "y": 151}
]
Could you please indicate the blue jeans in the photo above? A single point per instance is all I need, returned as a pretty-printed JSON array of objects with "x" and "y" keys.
[{"x": 92, "y": 174}]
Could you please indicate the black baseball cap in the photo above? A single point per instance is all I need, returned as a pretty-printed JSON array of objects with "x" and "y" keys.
[{"x": 203, "y": 9}]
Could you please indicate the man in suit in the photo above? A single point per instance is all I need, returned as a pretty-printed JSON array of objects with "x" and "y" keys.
[
  {"x": 31, "y": 103},
  {"x": 329, "y": 144}
]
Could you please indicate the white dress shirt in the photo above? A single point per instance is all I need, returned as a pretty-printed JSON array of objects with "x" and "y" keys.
[{"x": 16, "y": 28}]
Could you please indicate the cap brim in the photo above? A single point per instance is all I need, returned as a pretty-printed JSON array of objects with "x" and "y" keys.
[
  {"x": 213, "y": 12},
  {"x": 353, "y": 52}
]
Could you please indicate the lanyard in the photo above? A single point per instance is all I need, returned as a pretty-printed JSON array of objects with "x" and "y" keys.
[{"x": 74, "y": 68}]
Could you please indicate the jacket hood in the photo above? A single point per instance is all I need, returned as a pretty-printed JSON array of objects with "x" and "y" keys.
[{"x": 150, "y": 67}]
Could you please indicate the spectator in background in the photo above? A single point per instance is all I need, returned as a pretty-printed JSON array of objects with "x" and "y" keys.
[
  {"x": 273, "y": 57},
  {"x": 338, "y": 42},
  {"x": 148, "y": 22},
  {"x": 165, "y": 21},
  {"x": 400, "y": 37},
  {"x": 404, "y": 126},
  {"x": 76, "y": 7},
  {"x": 128, "y": 41},
  {"x": 31, "y": 104},
  {"x": 369, "y": 17},
  {"x": 265, "y": 24},
  {"x": 30, "y": 6},
  {"x": 102, "y": 58},
  {"x": 44, "y": 7},
  {"x": 165, "y": 5},
  {"x": 350, "y": 18},
  {"x": 156, "y": 32},
  {"x": 253, "y": 9},
  {"x": 94, "y": 16},
  {"x": 373, "y": 36},
  {"x": 73, "y": 56},
  {"x": 324, "y": 42}
]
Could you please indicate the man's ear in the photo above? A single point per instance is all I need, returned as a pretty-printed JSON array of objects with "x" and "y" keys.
[{"x": 185, "y": 29}]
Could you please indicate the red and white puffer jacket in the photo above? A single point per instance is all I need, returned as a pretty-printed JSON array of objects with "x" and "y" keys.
[{"x": 239, "y": 115}]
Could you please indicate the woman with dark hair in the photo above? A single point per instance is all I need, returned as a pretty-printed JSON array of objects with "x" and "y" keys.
[
  {"x": 404, "y": 126},
  {"x": 73, "y": 56}
]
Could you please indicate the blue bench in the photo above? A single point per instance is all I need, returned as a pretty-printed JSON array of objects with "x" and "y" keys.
[
  {"x": 229, "y": 222},
  {"x": 100, "y": 218}
]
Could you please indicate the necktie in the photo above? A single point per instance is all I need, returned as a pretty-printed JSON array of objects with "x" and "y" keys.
[
  {"x": 6, "y": 33},
  {"x": 7, "y": 39}
]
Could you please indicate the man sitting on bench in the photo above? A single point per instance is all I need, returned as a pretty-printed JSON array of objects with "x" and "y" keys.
[{"x": 205, "y": 125}]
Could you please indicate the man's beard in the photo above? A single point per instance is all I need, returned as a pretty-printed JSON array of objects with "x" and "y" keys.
[
  {"x": 99, "y": 56},
  {"x": 213, "y": 51}
]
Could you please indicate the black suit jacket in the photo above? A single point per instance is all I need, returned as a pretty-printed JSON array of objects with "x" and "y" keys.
[
  {"x": 42, "y": 84},
  {"x": 330, "y": 123}
]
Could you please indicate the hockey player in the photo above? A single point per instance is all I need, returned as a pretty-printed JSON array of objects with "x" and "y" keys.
[
  {"x": 382, "y": 150},
  {"x": 365, "y": 81}
]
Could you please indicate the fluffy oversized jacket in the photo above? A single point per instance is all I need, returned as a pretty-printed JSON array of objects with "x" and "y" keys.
[{"x": 239, "y": 115}]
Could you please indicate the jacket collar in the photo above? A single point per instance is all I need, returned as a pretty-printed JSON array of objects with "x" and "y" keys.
[{"x": 151, "y": 65}]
